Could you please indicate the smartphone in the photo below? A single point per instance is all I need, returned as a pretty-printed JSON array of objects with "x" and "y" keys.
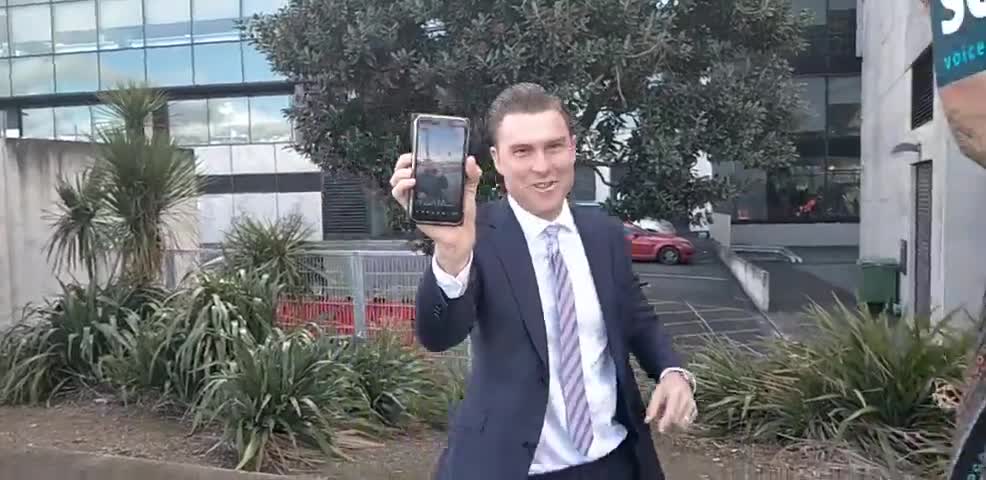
[{"x": 439, "y": 149}]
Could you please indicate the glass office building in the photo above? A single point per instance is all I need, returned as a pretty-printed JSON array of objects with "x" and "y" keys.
[
  {"x": 823, "y": 185},
  {"x": 225, "y": 102}
]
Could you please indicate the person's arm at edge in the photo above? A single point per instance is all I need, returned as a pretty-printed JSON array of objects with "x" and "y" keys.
[
  {"x": 445, "y": 306},
  {"x": 649, "y": 343}
]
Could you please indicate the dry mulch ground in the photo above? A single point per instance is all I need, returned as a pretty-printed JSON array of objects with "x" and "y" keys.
[{"x": 103, "y": 426}]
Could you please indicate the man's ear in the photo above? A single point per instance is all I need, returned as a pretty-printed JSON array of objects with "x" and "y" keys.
[{"x": 496, "y": 159}]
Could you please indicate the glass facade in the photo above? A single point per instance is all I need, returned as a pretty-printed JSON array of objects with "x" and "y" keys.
[
  {"x": 78, "y": 46},
  {"x": 823, "y": 184}
]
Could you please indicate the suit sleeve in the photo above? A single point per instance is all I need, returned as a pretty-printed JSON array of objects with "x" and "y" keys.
[
  {"x": 647, "y": 338},
  {"x": 445, "y": 307}
]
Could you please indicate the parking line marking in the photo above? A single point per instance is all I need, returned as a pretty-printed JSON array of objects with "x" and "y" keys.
[
  {"x": 687, "y": 277},
  {"x": 700, "y": 310}
]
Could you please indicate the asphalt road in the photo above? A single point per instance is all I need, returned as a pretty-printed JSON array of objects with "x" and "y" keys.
[{"x": 702, "y": 298}]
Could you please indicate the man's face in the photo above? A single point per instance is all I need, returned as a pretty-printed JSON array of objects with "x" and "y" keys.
[{"x": 535, "y": 154}]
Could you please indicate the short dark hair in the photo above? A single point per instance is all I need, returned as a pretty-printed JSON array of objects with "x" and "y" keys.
[{"x": 523, "y": 98}]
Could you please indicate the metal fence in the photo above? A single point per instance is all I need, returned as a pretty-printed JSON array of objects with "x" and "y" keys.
[{"x": 350, "y": 292}]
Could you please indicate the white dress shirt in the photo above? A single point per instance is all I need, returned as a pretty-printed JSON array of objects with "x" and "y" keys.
[{"x": 555, "y": 449}]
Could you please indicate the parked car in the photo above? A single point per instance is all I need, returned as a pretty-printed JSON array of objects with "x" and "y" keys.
[{"x": 651, "y": 246}]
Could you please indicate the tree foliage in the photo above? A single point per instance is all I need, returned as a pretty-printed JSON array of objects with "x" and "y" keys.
[{"x": 652, "y": 84}]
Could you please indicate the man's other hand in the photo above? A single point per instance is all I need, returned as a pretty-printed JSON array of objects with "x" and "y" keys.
[{"x": 672, "y": 403}]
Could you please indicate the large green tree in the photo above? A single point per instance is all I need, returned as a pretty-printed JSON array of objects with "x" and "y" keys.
[{"x": 652, "y": 84}]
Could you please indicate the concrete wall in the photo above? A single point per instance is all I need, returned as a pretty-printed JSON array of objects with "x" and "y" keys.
[
  {"x": 28, "y": 173},
  {"x": 890, "y": 40},
  {"x": 754, "y": 280},
  {"x": 721, "y": 229},
  {"x": 29, "y": 170},
  {"x": 796, "y": 234}
]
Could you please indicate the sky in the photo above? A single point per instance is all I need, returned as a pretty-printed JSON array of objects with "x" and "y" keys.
[{"x": 441, "y": 144}]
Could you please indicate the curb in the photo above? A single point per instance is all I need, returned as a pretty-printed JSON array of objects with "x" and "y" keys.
[
  {"x": 754, "y": 281},
  {"x": 53, "y": 464}
]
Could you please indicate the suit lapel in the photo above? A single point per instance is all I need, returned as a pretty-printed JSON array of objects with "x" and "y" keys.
[
  {"x": 595, "y": 241},
  {"x": 515, "y": 257}
]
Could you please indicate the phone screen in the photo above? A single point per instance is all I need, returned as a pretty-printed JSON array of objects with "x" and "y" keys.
[{"x": 439, "y": 169}]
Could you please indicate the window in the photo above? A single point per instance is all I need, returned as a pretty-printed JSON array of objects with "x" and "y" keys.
[
  {"x": 75, "y": 26},
  {"x": 73, "y": 123},
  {"x": 256, "y": 68},
  {"x": 4, "y": 34},
  {"x": 252, "y": 7},
  {"x": 170, "y": 66},
  {"x": 813, "y": 91},
  {"x": 168, "y": 23},
  {"x": 4, "y": 78},
  {"x": 844, "y": 108},
  {"x": 78, "y": 72},
  {"x": 37, "y": 123},
  {"x": 121, "y": 24},
  {"x": 218, "y": 63},
  {"x": 816, "y": 8},
  {"x": 922, "y": 89},
  {"x": 229, "y": 120},
  {"x": 267, "y": 122},
  {"x": 120, "y": 67},
  {"x": 32, "y": 75},
  {"x": 215, "y": 20},
  {"x": 189, "y": 122},
  {"x": 30, "y": 30}
]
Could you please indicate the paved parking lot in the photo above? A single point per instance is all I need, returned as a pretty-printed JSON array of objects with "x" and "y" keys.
[{"x": 702, "y": 298}]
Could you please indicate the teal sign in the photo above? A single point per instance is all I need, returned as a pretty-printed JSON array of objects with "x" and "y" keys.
[{"x": 959, "y": 30}]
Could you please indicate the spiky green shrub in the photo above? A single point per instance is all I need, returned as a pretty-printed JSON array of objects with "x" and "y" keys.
[
  {"x": 391, "y": 376},
  {"x": 863, "y": 381},
  {"x": 280, "y": 397},
  {"x": 212, "y": 314},
  {"x": 277, "y": 248}
]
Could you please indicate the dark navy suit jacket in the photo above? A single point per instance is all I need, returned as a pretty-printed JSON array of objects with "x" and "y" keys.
[{"x": 494, "y": 431}]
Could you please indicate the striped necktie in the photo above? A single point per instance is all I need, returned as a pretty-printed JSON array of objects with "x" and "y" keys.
[{"x": 570, "y": 355}]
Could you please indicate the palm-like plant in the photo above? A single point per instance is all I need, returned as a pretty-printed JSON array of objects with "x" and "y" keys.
[
  {"x": 130, "y": 199},
  {"x": 81, "y": 235}
]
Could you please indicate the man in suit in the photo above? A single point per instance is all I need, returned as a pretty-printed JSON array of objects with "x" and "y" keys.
[{"x": 553, "y": 310}]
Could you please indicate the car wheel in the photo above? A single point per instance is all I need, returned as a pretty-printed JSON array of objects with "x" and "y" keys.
[{"x": 668, "y": 256}]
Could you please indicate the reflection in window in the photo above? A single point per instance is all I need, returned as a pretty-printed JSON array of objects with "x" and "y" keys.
[
  {"x": 267, "y": 122},
  {"x": 37, "y": 123},
  {"x": 189, "y": 122},
  {"x": 77, "y": 73},
  {"x": 4, "y": 35},
  {"x": 813, "y": 91},
  {"x": 30, "y": 30},
  {"x": 4, "y": 77},
  {"x": 252, "y": 7},
  {"x": 215, "y": 20},
  {"x": 120, "y": 67},
  {"x": 218, "y": 63},
  {"x": 256, "y": 68},
  {"x": 816, "y": 8},
  {"x": 170, "y": 66},
  {"x": 32, "y": 75},
  {"x": 73, "y": 123},
  {"x": 229, "y": 120},
  {"x": 75, "y": 26},
  {"x": 844, "y": 109},
  {"x": 168, "y": 23},
  {"x": 121, "y": 24}
]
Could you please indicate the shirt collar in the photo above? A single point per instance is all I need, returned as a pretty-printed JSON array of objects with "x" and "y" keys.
[{"x": 533, "y": 226}]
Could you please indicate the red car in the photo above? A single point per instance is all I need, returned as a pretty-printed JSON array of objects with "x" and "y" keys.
[{"x": 652, "y": 246}]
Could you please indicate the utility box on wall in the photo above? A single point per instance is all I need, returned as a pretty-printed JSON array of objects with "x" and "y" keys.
[{"x": 878, "y": 284}]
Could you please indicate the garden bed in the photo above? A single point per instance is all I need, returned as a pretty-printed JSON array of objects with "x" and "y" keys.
[{"x": 100, "y": 425}]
